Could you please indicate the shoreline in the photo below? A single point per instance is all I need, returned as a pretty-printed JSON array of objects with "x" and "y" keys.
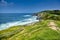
[{"x": 26, "y": 22}]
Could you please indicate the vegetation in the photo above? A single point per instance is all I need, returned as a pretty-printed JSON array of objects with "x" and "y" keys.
[
  {"x": 50, "y": 14},
  {"x": 38, "y": 31}
]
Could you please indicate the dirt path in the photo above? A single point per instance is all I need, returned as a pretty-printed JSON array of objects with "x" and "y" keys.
[{"x": 53, "y": 25}]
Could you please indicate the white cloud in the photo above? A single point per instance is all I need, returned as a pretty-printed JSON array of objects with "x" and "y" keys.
[{"x": 5, "y": 3}]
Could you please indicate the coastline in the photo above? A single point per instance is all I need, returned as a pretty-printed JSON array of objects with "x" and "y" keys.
[{"x": 28, "y": 21}]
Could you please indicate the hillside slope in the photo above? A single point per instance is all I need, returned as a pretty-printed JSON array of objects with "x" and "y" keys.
[
  {"x": 46, "y": 29},
  {"x": 49, "y": 14}
]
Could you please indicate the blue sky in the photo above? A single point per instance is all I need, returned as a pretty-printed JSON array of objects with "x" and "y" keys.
[{"x": 28, "y": 6}]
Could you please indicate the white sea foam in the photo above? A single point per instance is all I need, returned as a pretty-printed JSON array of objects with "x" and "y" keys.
[
  {"x": 27, "y": 15},
  {"x": 23, "y": 22}
]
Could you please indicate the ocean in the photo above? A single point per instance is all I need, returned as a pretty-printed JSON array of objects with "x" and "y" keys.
[{"x": 8, "y": 20}]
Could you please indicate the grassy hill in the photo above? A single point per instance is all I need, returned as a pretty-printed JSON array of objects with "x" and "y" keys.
[
  {"x": 48, "y": 28},
  {"x": 50, "y": 14}
]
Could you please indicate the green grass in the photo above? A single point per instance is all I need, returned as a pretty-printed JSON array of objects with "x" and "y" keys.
[
  {"x": 58, "y": 23},
  {"x": 37, "y": 31}
]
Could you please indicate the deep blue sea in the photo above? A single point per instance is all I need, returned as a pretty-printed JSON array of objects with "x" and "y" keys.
[{"x": 13, "y": 19}]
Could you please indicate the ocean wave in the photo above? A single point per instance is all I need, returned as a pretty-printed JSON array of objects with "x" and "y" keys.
[
  {"x": 27, "y": 15},
  {"x": 16, "y": 23}
]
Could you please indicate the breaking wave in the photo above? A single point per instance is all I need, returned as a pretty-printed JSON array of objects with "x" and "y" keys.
[{"x": 16, "y": 23}]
